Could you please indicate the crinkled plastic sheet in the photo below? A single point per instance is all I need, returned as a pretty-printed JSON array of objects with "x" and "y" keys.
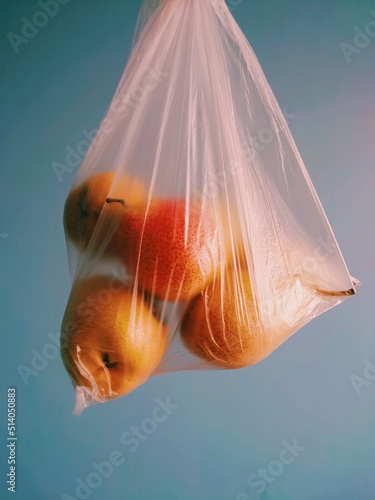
[{"x": 194, "y": 120}]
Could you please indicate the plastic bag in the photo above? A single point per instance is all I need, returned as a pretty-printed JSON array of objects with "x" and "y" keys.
[{"x": 195, "y": 237}]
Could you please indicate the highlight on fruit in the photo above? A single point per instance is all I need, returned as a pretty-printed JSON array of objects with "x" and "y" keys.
[{"x": 112, "y": 345}]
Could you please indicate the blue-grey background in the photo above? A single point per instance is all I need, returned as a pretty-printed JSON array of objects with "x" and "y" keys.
[{"x": 228, "y": 425}]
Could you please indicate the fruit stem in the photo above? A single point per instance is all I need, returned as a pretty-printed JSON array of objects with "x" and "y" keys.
[
  {"x": 115, "y": 200},
  {"x": 336, "y": 294}
]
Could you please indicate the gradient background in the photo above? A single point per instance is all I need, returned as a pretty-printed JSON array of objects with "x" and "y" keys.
[{"x": 228, "y": 424}]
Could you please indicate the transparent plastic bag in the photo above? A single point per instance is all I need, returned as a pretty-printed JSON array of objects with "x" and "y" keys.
[{"x": 195, "y": 237}]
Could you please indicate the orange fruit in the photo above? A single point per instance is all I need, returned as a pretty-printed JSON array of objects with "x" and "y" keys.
[
  {"x": 173, "y": 249},
  {"x": 85, "y": 203},
  {"x": 222, "y": 325},
  {"x": 111, "y": 342}
]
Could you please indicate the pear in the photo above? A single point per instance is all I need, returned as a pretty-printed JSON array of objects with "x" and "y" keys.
[
  {"x": 172, "y": 248},
  {"x": 222, "y": 325},
  {"x": 85, "y": 203},
  {"x": 111, "y": 342}
]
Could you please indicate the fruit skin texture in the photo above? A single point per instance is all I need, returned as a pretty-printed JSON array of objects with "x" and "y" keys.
[
  {"x": 173, "y": 250},
  {"x": 221, "y": 325},
  {"x": 110, "y": 341},
  {"x": 85, "y": 203}
]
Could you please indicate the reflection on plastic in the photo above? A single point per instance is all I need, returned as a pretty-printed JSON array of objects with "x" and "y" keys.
[{"x": 223, "y": 248}]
